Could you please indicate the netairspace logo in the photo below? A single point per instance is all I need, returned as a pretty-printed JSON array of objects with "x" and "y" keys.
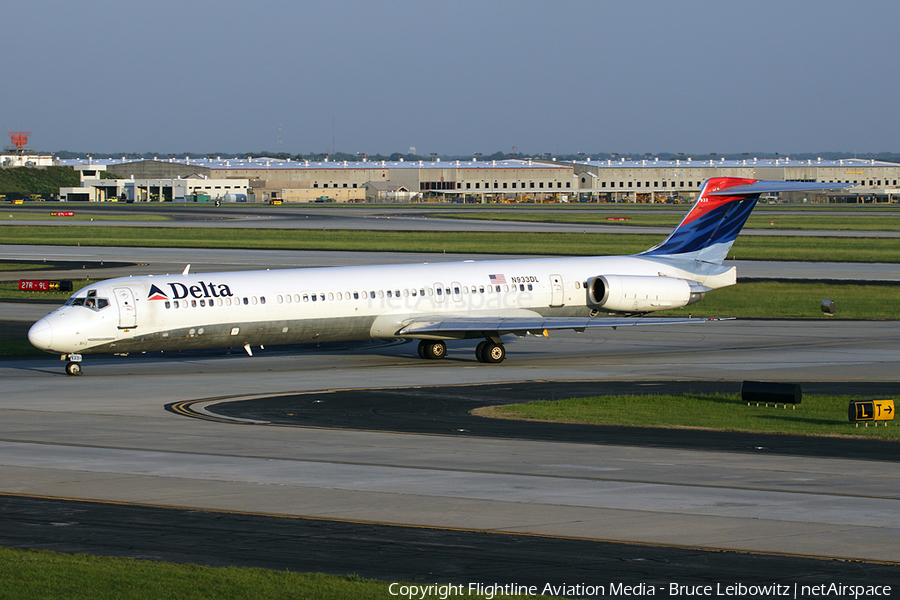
[{"x": 795, "y": 591}]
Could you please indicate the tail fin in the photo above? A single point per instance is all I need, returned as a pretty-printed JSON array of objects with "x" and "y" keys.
[{"x": 709, "y": 230}]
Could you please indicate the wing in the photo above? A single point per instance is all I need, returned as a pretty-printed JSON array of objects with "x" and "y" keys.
[{"x": 450, "y": 327}]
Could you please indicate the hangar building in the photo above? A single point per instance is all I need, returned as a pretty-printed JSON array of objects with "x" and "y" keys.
[{"x": 514, "y": 180}]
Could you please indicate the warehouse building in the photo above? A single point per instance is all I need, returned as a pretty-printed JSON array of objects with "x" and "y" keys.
[
  {"x": 625, "y": 180},
  {"x": 515, "y": 180},
  {"x": 193, "y": 187}
]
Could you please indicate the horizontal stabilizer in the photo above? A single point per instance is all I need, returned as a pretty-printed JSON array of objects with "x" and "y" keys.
[{"x": 774, "y": 187}]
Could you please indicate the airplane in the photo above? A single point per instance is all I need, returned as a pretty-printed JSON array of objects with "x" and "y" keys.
[{"x": 430, "y": 302}]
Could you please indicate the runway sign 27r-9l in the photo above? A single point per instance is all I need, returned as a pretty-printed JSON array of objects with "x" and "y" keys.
[{"x": 870, "y": 410}]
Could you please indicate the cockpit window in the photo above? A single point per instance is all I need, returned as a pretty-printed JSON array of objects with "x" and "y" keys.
[{"x": 91, "y": 302}]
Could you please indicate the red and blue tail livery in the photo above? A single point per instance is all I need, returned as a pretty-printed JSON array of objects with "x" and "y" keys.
[{"x": 707, "y": 232}]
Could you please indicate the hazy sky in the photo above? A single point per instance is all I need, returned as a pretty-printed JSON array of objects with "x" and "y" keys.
[{"x": 452, "y": 77}]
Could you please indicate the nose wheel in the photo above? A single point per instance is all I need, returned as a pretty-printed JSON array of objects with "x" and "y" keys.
[{"x": 73, "y": 367}]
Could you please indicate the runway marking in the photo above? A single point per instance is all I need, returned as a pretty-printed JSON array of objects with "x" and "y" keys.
[{"x": 457, "y": 529}]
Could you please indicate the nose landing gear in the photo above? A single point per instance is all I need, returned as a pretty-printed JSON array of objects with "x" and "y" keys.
[{"x": 73, "y": 367}]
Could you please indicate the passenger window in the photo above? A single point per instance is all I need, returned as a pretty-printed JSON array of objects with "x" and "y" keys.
[
  {"x": 168, "y": 304},
  {"x": 262, "y": 299},
  {"x": 356, "y": 295},
  {"x": 530, "y": 288},
  {"x": 202, "y": 302},
  {"x": 439, "y": 292},
  {"x": 306, "y": 297},
  {"x": 246, "y": 301},
  {"x": 313, "y": 297},
  {"x": 194, "y": 303},
  {"x": 389, "y": 293}
]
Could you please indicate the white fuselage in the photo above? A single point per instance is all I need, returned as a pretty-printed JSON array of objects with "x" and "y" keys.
[{"x": 333, "y": 304}]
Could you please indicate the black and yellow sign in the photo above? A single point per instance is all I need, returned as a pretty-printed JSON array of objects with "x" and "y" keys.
[{"x": 870, "y": 410}]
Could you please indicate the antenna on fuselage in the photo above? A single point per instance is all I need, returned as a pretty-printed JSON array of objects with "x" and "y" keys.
[{"x": 187, "y": 269}]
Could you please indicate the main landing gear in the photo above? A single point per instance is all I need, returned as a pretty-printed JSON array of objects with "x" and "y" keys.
[
  {"x": 488, "y": 351},
  {"x": 432, "y": 349}
]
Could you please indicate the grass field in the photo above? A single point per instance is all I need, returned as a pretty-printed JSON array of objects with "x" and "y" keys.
[
  {"x": 563, "y": 244},
  {"x": 9, "y": 290},
  {"x": 39, "y": 575},
  {"x": 784, "y": 300},
  {"x": 23, "y": 266},
  {"x": 817, "y": 415}
]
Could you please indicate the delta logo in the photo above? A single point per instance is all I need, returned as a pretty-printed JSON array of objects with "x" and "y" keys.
[{"x": 178, "y": 291}]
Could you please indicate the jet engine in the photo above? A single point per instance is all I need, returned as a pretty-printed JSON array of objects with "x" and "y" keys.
[{"x": 637, "y": 293}]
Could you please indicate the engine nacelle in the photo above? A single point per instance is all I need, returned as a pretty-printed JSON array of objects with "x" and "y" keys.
[{"x": 637, "y": 294}]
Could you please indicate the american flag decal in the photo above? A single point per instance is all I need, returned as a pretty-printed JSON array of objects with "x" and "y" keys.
[{"x": 497, "y": 278}]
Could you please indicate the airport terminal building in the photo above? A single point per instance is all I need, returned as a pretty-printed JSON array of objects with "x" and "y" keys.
[{"x": 512, "y": 180}]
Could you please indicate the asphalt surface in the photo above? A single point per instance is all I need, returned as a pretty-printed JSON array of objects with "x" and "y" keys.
[
  {"x": 445, "y": 410},
  {"x": 422, "y": 217},
  {"x": 369, "y": 549},
  {"x": 422, "y": 555}
]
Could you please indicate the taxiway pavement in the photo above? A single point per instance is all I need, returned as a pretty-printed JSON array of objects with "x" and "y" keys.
[{"x": 107, "y": 437}]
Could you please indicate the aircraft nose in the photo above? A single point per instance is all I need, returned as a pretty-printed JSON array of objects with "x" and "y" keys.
[{"x": 41, "y": 335}]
